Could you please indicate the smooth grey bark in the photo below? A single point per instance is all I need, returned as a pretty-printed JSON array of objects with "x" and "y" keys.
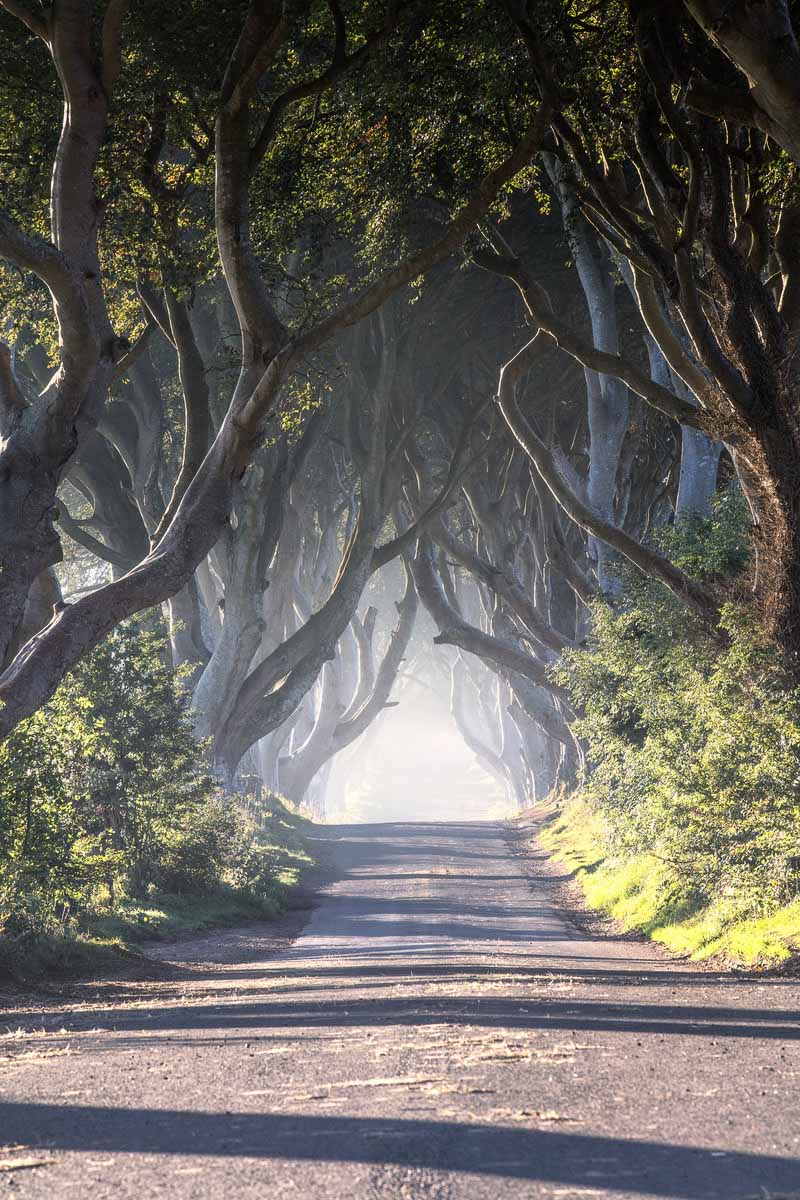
[
  {"x": 172, "y": 317},
  {"x": 500, "y": 654},
  {"x": 761, "y": 41},
  {"x": 358, "y": 718},
  {"x": 541, "y": 753},
  {"x": 187, "y": 642},
  {"x": 700, "y": 454},
  {"x": 206, "y": 504},
  {"x": 245, "y": 581},
  {"x": 606, "y": 395},
  {"x": 463, "y": 709},
  {"x": 341, "y": 724},
  {"x": 283, "y": 677},
  {"x": 502, "y": 582},
  {"x": 39, "y": 438},
  {"x": 98, "y": 471},
  {"x": 374, "y": 429},
  {"x": 43, "y": 598},
  {"x": 558, "y": 474},
  {"x": 697, "y": 481},
  {"x": 298, "y": 771}
]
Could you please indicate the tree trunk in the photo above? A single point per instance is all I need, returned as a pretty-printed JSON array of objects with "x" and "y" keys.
[{"x": 698, "y": 478}]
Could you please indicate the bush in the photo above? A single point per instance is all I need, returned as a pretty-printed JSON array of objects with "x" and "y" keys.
[
  {"x": 104, "y": 794},
  {"x": 212, "y": 843},
  {"x": 693, "y": 739}
]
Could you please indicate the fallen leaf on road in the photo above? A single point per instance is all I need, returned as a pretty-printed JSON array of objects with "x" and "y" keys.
[
  {"x": 763, "y": 1195},
  {"x": 23, "y": 1034},
  {"x": 23, "y": 1164},
  {"x": 33, "y": 1056},
  {"x": 527, "y": 1114},
  {"x": 579, "y": 1191},
  {"x": 444, "y": 1089},
  {"x": 388, "y": 1081},
  {"x": 501, "y": 1054}
]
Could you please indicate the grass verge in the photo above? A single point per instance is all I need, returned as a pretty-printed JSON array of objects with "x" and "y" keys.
[
  {"x": 648, "y": 895},
  {"x": 103, "y": 937}
]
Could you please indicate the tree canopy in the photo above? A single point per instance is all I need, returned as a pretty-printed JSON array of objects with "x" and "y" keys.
[{"x": 316, "y": 309}]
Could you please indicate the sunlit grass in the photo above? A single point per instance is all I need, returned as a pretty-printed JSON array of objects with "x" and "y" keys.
[
  {"x": 283, "y": 832},
  {"x": 647, "y": 895},
  {"x": 165, "y": 916}
]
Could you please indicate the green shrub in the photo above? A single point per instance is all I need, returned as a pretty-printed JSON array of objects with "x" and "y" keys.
[
  {"x": 644, "y": 893},
  {"x": 693, "y": 739},
  {"x": 104, "y": 797}
]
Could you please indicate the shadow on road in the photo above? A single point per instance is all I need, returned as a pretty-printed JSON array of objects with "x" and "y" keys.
[
  {"x": 647, "y": 1167},
  {"x": 260, "y": 1019},
  {"x": 385, "y": 954}
]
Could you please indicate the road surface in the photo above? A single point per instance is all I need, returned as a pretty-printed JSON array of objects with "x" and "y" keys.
[{"x": 439, "y": 1030}]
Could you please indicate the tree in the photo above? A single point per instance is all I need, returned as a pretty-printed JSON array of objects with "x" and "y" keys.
[
  {"x": 697, "y": 197},
  {"x": 334, "y": 233},
  {"x": 268, "y": 76}
]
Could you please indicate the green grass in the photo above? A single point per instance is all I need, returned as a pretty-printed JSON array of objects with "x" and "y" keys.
[
  {"x": 163, "y": 917},
  {"x": 41, "y": 956},
  {"x": 100, "y": 938},
  {"x": 103, "y": 937},
  {"x": 283, "y": 833},
  {"x": 646, "y": 894}
]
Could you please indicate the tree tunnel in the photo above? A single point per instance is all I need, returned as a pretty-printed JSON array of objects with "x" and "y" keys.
[{"x": 414, "y": 765}]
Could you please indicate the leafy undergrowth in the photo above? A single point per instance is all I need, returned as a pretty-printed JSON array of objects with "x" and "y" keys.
[
  {"x": 103, "y": 936},
  {"x": 646, "y": 894},
  {"x": 282, "y": 832}
]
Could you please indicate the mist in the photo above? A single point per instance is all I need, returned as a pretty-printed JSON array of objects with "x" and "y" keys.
[{"x": 415, "y": 767}]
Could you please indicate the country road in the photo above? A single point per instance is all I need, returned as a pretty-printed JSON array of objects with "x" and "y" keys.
[{"x": 438, "y": 1030}]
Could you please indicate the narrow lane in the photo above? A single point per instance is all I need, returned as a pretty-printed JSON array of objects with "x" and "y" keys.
[{"x": 438, "y": 1030}]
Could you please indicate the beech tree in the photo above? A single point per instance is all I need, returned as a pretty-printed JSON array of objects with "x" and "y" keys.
[
  {"x": 486, "y": 291},
  {"x": 282, "y": 61},
  {"x": 670, "y": 124}
]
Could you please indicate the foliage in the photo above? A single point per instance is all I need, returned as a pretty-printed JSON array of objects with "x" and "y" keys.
[
  {"x": 104, "y": 799},
  {"x": 383, "y": 157},
  {"x": 693, "y": 737},
  {"x": 643, "y": 893}
]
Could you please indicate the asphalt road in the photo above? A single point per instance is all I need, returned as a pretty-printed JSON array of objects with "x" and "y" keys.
[{"x": 439, "y": 1030}]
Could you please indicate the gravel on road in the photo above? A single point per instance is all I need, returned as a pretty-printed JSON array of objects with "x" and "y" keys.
[{"x": 439, "y": 1029}]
